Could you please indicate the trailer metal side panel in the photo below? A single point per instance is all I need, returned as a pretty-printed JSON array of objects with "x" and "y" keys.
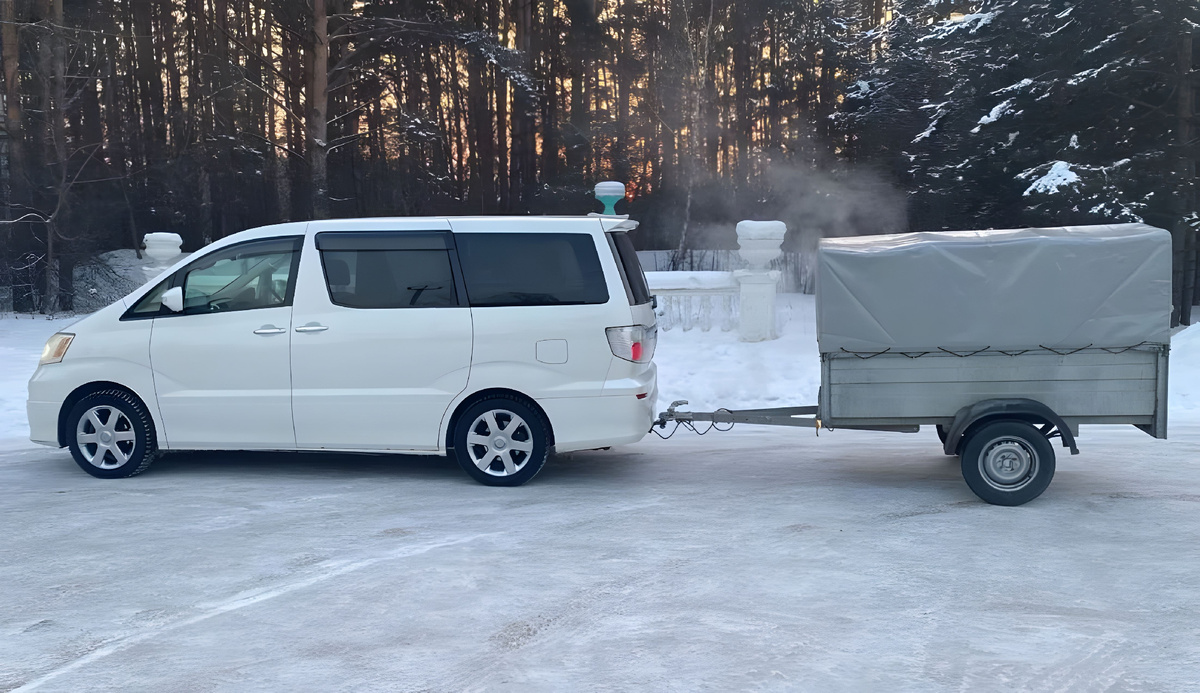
[{"x": 1087, "y": 387}]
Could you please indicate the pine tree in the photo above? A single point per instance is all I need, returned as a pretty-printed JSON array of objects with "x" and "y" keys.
[{"x": 1015, "y": 113}]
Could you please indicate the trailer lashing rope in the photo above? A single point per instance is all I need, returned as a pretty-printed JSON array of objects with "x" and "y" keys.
[
  {"x": 1065, "y": 352},
  {"x": 1122, "y": 351},
  {"x": 966, "y": 354},
  {"x": 864, "y": 355},
  {"x": 869, "y": 354}
]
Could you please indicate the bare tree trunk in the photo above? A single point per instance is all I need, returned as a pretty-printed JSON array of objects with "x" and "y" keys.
[
  {"x": 55, "y": 108},
  {"x": 522, "y": 154},
  {"x": 1184, "y": 236},
  {"x": 700, "y": 75},
  {"x": 12, "y": 99},
  {"x": 149, "y": 79},
  {"x": 620, "y": 165},
  {"x": 318, "y": 111}
]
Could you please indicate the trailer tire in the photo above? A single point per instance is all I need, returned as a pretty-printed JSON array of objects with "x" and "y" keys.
[{"x": 1007, "y": 462}]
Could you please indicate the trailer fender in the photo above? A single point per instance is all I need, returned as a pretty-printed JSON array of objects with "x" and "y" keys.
[{"x": 1016, "y": 408}]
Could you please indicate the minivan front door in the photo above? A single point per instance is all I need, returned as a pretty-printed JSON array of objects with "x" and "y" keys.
[
  {"x": 382, "y": 338},
  {"x": 221, "y": 370}
]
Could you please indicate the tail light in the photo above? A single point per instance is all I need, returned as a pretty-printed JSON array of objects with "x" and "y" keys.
[{"x": 633, "y": 343}]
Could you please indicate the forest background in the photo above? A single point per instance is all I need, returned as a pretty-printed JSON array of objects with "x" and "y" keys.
[{"x": 840, "y": 117}]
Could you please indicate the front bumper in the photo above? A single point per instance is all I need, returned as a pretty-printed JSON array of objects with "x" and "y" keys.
[{"x": 43, "y": 422}]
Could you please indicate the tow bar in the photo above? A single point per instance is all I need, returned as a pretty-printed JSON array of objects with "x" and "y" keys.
[{"x": 800, "y": 417}]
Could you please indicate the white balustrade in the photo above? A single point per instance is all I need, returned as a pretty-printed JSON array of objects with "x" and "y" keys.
[
  {"x": 744, "y": 297},
  {"x": 690, "y": 299}
]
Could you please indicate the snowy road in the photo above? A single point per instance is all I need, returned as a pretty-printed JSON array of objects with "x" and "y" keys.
[
  {"x": 758, "y": 559},
  {"x": 755, "y": 559}
]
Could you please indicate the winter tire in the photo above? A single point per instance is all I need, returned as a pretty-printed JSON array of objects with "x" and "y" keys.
[
  {"x": 111, "y": 435},
  {"x": 501, "y": 441},
  {"x": 1007, "y": 462}
]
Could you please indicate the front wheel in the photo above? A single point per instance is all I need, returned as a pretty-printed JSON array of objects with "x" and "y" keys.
[
  {"x": 1007, "y": 462},
  {"x": 501, "y": 441},
  {"x": 111, "y": 435}
]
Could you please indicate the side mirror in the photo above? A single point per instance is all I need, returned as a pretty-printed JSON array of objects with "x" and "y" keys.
[
  {"x": 654, "y": 302},
  {"x": 173, "y": 299}
]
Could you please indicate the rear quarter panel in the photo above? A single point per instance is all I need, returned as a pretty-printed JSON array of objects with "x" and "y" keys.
[{"x": 505, "y": 343}]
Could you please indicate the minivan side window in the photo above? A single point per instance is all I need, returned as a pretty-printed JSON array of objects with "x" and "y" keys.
[
  {"x": 258, "y": 274},
  {"x": 631, "y": 268},
  {"x": 531, "y": 269},
  {"x": 381, "y": 269}
]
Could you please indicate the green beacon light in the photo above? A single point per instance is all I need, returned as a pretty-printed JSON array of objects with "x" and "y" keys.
[{"x": 609, "y": 192}]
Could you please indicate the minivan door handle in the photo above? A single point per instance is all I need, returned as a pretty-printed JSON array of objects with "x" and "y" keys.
[
  {"x": 270, "y": 329},
  {"x": 312, "y": 327}
]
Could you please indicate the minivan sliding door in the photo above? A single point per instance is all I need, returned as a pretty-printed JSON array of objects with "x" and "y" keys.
[{"x": 382, "y": 341}]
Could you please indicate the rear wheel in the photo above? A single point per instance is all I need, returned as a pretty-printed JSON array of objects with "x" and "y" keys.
[
  {"x": 501, "y": 441},
  {"x": 111, "y": 435},
  {"x": 1007, "y": 462}
]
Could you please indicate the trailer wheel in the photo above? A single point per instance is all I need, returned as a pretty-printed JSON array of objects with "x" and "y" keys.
[{"x": 1007, "y": 462}]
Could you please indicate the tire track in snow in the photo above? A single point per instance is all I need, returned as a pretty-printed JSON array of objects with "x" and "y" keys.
[{"x": 239, "y": 601}]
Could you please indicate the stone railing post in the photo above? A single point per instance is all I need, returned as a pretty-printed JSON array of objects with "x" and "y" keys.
[
  {"x": 759, "y": 243},
  {"x": 161, "y": 249}
]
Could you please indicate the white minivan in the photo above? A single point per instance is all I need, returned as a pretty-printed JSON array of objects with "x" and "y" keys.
[{"x": 501, "y": 339}]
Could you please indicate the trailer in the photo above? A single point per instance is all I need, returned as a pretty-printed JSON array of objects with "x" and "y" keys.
[{"x": 1004, "y": 340}]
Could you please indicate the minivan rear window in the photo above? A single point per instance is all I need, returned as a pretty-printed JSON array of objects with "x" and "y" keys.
[
  {"x": 631, "y": 268},
  {"x": 531, "y": 269}
]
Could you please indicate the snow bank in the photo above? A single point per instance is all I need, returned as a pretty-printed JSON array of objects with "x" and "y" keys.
[
  {"x": 1184, "y": 374},
  {"x": 107, "y": 278},
  {"x": 715, "y": 369}
]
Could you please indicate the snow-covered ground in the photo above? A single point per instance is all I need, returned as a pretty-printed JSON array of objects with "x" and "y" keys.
[
  {"x": 21, "y": 341},
  {"x": 757, "y": 559}
]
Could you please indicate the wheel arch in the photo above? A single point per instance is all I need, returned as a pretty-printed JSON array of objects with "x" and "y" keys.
[
  {"x": 88, "y": 389},
  {"x": 494, "y": 392},
  {"x": 987, "y": 411}
]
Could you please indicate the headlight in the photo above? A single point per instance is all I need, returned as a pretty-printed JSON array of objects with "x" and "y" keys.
[{"x": 56, "y": 348}]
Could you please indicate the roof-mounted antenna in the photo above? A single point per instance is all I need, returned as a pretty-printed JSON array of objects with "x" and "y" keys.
[{"x": 609, "y": 192}]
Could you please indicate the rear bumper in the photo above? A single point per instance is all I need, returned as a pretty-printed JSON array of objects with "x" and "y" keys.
[
  {"x": 43, "y": 422},
  {"x": 618, "y": 417}
]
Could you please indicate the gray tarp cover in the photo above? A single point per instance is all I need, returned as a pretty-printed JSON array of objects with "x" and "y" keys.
[{"x": 1064, "y": 288}]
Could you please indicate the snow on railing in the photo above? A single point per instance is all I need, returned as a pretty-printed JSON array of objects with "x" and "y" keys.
[{"x": 695, "y": 299}]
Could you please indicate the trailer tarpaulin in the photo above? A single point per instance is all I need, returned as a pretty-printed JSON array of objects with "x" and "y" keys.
[{"x": 1059, "y": 288}]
